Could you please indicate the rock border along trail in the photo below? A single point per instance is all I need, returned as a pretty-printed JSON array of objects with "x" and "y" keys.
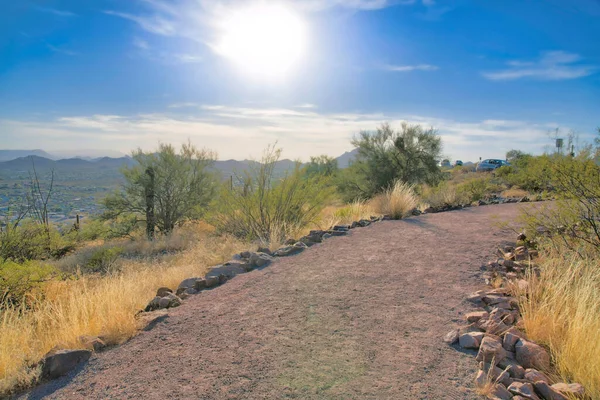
[{"x": 356, "y": 317}]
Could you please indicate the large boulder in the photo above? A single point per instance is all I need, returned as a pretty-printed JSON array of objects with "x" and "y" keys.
[
  {"x": 531, "y": 355},
  {"x": 61, "y": 362}
]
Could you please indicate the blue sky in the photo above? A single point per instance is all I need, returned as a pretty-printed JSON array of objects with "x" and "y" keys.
[{"x": 114, "y": 75}]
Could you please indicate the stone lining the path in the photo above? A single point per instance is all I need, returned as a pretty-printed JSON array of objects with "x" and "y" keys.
[{"x": 510, "y": 365}]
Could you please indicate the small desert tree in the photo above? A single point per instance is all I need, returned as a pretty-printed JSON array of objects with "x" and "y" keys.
[
  {"x": 269, "y": 208},
  {"x": 322, "y": 165},
  {"x": 386, "y": 156},
  {"x": 164, "y": 188}
]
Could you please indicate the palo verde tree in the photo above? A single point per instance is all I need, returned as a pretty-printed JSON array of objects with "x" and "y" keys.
[
  {"x": 165, "y": 188},
  {"x": 387, "y": 155},
  {"x": 322, "y": 165}
]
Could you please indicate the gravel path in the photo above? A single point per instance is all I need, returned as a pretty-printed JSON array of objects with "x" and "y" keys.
[{"x": 357, "y": 317}]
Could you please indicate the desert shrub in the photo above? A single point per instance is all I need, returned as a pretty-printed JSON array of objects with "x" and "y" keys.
[
  {"x": 386, "y": 156},
  {"x": 17, "y": 280},
  {"x": 444, "y": 194},
  {"x": 561, "y": 309},
  {"x": 104, "y": 260},
  {"x": 397, "y": 201},
  {"x": 32, "y": 241},
  {"x": 515, "y": 191},
  {"x": 268, "y": 209},
  {"x": 574, "y": 218}
]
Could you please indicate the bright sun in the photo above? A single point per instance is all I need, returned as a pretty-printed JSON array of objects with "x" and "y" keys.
[{"x": 264, "y": 40}]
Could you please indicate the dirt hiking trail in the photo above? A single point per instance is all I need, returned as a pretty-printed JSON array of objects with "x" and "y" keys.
[{"x": 357, "y": 317}]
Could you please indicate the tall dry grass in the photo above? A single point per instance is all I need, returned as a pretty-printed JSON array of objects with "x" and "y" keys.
[
  {"x": 398, "y": 201},
  {"x": 106, "y": 306},
  {"x": 562, "y": 310},
  {"x": 344, "y": 214}
]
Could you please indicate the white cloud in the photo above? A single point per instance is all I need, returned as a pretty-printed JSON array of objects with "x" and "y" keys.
[
  {"x": 553, "y": 65},
  {"x": 409, "y": 68},
  {"x": 240, "y": 132}
]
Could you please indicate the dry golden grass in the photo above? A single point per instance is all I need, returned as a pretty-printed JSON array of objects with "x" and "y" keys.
[
  {"x": 562, "y": 311},
  {"x": 96, "y": 306},
  {"x": 398, "y": 201},
  {"x": 515, "y": 192}
]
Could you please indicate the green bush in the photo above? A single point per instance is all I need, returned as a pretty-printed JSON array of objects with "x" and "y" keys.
[
  {"x": 32, "y": 241},
  {"x": 268, "y": 209},
  {"x": 574, "y": 219},
  {"x": 17, "y": 280},
  {"x": 104, "y": 260}
]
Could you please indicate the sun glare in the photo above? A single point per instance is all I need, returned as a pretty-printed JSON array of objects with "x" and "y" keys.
[{"x": 263, "y": 40}]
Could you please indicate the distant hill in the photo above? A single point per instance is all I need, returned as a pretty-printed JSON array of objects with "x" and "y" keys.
[
  {"x": 345, "y": 159},
  {"x": 225, "y": 167},
  {"x": 7, "y": 155}
]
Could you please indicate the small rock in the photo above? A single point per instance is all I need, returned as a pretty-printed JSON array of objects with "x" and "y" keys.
[
  {"x": 533, "y": 375},
  {"x": 259, "y": 260},
  {"x": 211, "y": 281},
  {"x": 200, "y": 284},
  {"x": 289, "y": 250},
  {"x": 327, "y": 235},
  {"x": 470, "y": 340},
  {"x": 509, "y": 341},
  {"x": 476, "y": 316},
  {"x": 341, "y": 227},
  {"x": 531, "y": 355},
  {"x": 61, "y": 362},
  {"x": 153, "y": 304},
  {"x": 164, "y": 302},
  {"x": 572, "y": 389},
  {"x": 490, "y": 350},
  {"x": 245, "y": 254},
  {"x": 92, "y": 342},
  {"x": 499, "y": 392},
  {"x": 481, "y": 379},
  {"x": 523, "y": 389},
  {"x": 513, "y": 368},
  {"x": 451, "y": 337},
  {"x": 161, "y": 292},
  {"x": 547, "y": 392},
  {"x": 337, "y": 233},
  {"x": 265, "y": 250},
  {"x": 186, "y": 283},
  {"x": 521, "y": 236}
]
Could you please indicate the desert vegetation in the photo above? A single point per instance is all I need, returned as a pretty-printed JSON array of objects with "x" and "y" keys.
[{"x": 174, "y": 217}]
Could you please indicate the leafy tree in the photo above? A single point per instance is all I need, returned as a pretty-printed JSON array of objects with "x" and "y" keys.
[
  {"x": 322, "y": 165},
  {"x": 387, "y": 155},
  {"x": 164, "y": 188},
  {"x": 514, "y": 155}
]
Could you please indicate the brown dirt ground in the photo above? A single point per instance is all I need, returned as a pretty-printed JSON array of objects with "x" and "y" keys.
[{"x": 357, "y": 317}]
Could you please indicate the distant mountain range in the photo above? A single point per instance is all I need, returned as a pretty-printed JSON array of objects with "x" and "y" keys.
[{"x": 22, "y": 160}]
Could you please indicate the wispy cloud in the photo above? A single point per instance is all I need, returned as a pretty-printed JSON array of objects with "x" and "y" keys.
[
  {"x": 409, "y": 68},
  {"x": 61, "y": 50},
  {"x": 154, "y": 24},
  {"x": 551, "y": 66},
  {"x": 141, "y": 43},
  {"x": 237, "y": 132},
  {"x": 60, "y": 13}
]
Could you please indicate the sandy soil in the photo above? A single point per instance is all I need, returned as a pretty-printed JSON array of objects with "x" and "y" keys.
[{"x": 357, "y": 317}]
